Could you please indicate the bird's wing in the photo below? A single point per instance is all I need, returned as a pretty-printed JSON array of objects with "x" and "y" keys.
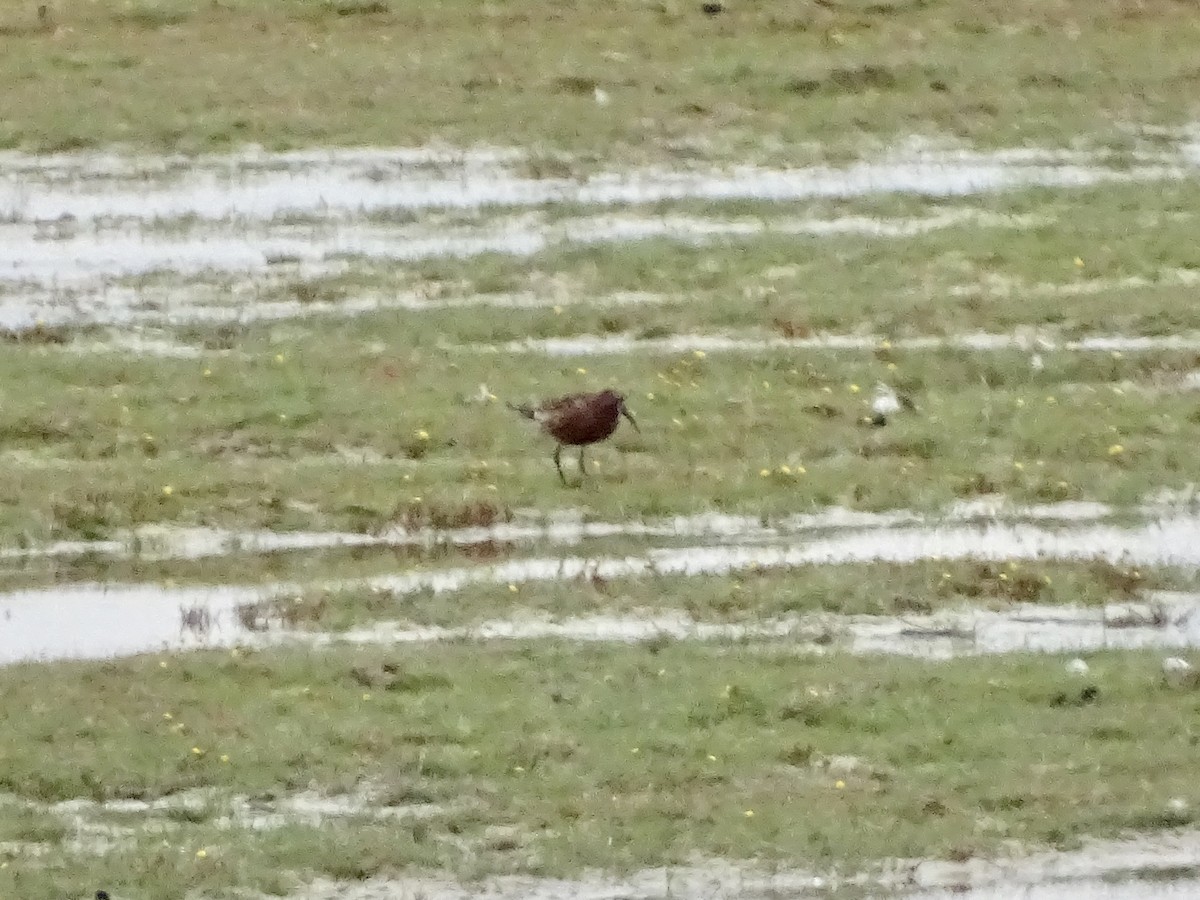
[{"x": 567, "y": 406}]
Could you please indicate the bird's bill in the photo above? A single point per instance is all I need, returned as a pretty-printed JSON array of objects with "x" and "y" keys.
[{"x": 627, "y": 414}]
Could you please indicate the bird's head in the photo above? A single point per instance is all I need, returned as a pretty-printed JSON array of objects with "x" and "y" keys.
[{"x": 618, "y": 400}]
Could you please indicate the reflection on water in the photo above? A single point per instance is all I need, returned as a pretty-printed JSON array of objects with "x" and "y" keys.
[{"x": 98, "y": 621}]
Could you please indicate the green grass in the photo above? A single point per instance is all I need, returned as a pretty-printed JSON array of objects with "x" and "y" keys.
[
  {"x": 620, "y": 757},
  {"x": 170, "y": 74},
  {"x": 555, "y": 758},
  {"x": 260, "y": 442},
  {"x": 265, "y": 428}
]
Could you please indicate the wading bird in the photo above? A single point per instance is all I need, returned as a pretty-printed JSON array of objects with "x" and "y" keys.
[
  {"x": 577, "y": 420},
  {"x": 887, "y": 402}
]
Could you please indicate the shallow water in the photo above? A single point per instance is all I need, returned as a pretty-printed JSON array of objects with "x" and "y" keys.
[
  {"x": 71, "y": 279},
  {"x": 1100, "y": 870},
  {"x": 97, "y": 621},
  {"x": 87, "y": 188},
  {"x": 754, "y": 342},
  {"x": 73, "y": 226},
  {"x": 73, "y": 258},
  {"x": 160, "y": 542},
  {"x": 961, "y": 632}
]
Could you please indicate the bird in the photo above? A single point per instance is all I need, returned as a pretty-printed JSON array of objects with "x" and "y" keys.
[
  {"x": 577, "y": 420},
  {"x": 887, "y": 402}
]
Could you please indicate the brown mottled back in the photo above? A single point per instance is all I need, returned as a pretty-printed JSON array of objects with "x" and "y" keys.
[{"x": 579, "y": 419}]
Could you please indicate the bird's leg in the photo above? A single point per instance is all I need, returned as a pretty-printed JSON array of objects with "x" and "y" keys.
[
  {"x": 558, "y": 464},
  {"x": 582, "y": 470}
]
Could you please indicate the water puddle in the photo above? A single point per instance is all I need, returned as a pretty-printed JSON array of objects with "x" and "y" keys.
[
  {"x": 70, "y": 279},
  {"x": 99, "y": 621},
  {"x": 1137, "y": 868},
  {"x": 755, "y": 342},
  {"x": 340, "y": 184},
  {"x": 79, "y": 223},
  {"x": 100, "y": 827},
  {"x": 1165, "y": 622},
  {"x": 240, "y": 303},
  {"x": 564, "y": 527},
  {"x": 994, "y": 285},
  {"x": 130, "y": 251}
]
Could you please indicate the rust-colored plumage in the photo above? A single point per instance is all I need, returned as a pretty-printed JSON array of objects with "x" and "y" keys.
[{"x": 577, "y": 420}]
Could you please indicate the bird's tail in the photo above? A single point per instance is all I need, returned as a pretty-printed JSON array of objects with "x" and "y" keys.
[{"x": 524, "y": 409}]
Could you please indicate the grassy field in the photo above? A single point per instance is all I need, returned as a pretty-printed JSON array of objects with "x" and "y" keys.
[
  {"x": 261, "y": 443},
  {"x": 566, "y": 756},
  {"x": 176, "y": 74},
  {"x": 145, "y": 775},
  {"x": 270, "y": 423}
]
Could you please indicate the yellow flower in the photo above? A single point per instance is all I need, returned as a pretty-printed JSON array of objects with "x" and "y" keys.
[
  {"x": 558, "y": 310},
  {"x": 167, "y": 715},
  {"x": 711, "y": 758},
  {"x": 800, "y": 470},
  {"x": 635, "y": 749},
  {"x": 581, "y": 370},
  {"x": 1003, "y": 576},
  {"x": 279, "y": 357},
  {"x": 197, "y": 751},
  {"x": 786, "y": 470},
  {"x": 749, "y": 814},
  {"x": 650, "y": 395},
  {"x": 1046, "y": 578},
  {"x": 162, "y": 663},
  {"x": 891, "y": 367},
  {"x": 767, "y": 384},
  {"x": 1116, "y": 450},
  {"x": 1117, "y": 354},
  {"x": 854, "y": 389},
  {"x": 168, "y": 490},
  {"x": 699, "y": 354},
  {"x": 839, "y": 784},
  {"x": 423, "y": 435},
  {"x": 512, "y": 588},
  {"x": 1019, "y": 466},
  {"x": 366, "y": 696},
  {"x": 224, "y": 757},
  {"x": 1078, "y": 263},
  {"x": 1051, "y": 400},
  {"x": 208, "y": 373},
  {"x": 885, "y": 344},
  {"x": 765, "y": 473},
  {"x": 1020, "y": 402},
  {"x": 201, "y": 853}
]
